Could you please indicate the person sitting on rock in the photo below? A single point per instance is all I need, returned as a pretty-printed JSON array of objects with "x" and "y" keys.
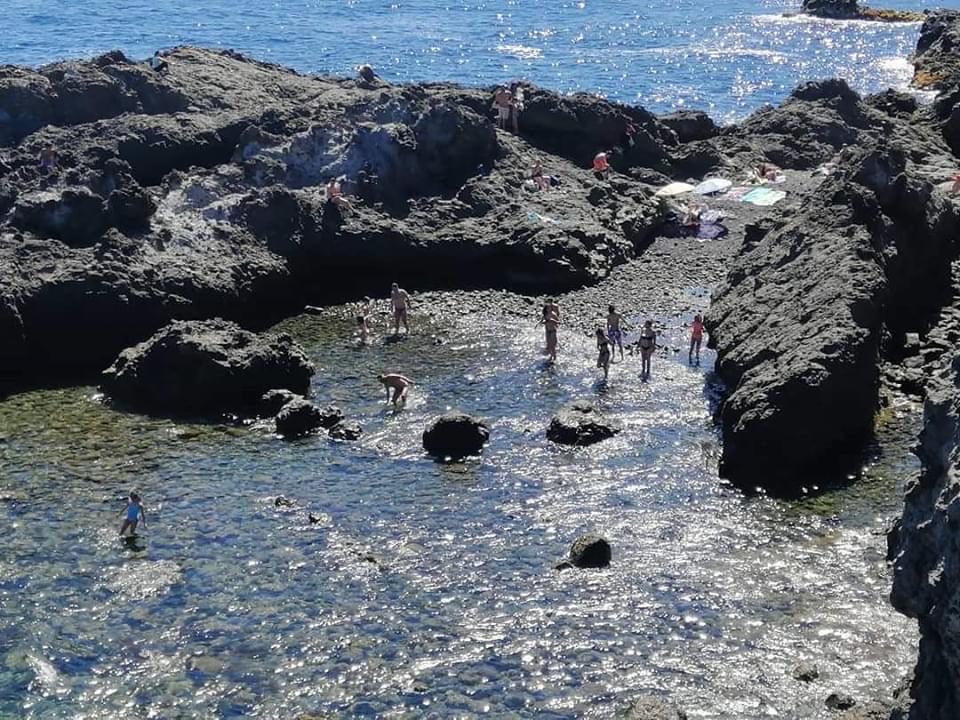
[
  {"x": 399, "y": 384},
  {"x": 366, "y": 74},
  {"x": 765, "y": 172},
  {"x": 601, "y": 166},
  {"x": 157, "y": 63},
  {"x": 502, "y": 101},
  {"x": 516, "y": 106},
  {"x": 335, "y": 195},
  {"x": 536, "y": 175},
  {"x": 628, "y": 133},
  {"x": 48, "y": 160}
]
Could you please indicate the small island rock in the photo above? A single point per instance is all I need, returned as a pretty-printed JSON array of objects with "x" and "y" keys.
[{"x": 455, "y": 435}]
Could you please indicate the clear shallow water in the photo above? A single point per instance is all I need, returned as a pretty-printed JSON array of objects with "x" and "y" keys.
[
  {"x": 427, "y": 588},
  {"x": 728, "y": 57}
]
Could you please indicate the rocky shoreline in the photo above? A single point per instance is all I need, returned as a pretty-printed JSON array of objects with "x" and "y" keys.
[{"x": 131, "y": 198}]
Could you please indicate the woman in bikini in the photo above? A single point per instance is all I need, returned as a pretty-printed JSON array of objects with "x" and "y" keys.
[
  {"x": 603, "y": 353},
  {"x": 648, "y": 343}
]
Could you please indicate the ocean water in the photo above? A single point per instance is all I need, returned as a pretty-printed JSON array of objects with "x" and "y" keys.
[
  {"x": 427, "y": 590},
  {"x": 724, "y": 57}
]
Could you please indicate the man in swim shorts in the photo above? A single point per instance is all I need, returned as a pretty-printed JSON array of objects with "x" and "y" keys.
[
  {"x": 614, "y": 333},
  {"x": 400, "y": 304},
  {"x": 503, "y": 102},
  {"x": 399, "y": 384}
]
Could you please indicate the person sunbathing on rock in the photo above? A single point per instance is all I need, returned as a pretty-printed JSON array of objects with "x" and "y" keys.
[
  {"x": 335, "y": 195},
  {"x": 502, "y": 101},
  {"x": 399, "y": 384},
  {"x": 601, "y": 166},
  {"x": 536, "y": 175}
]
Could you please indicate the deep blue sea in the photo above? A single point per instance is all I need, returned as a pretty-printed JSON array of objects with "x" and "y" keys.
[{"x": 726, "y": 57}]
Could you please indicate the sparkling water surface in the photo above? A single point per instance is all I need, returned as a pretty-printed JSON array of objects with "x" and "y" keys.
[
  {"x": 428, "y": 588},
  {"x": 725, "y": 57}
]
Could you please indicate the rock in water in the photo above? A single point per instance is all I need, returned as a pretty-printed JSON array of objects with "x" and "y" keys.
[
  {"x": 590, "y": 551},
  {"x": 652, "y": 708},
  {"x": 926, "y": 579},
  {"x": 455, "y": 435},
  {"x": 936, "y": 62},
  {"x": 840, "y": 701},
  {"x": 346, "y": 430},
  {"x": 273, "y": 400},
  {"x": 298, "y": 417},
  {"x": 840, "y": 9},
  {"x": 205, "y": 368},
  {"x": 806, "y": 672},
  {"x": 580, "y": 423}
]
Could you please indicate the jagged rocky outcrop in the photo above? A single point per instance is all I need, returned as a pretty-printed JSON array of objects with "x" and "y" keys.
[
  {"x": 853, "y": 10},
  {"x": 199, "y": 192},
  {"x": 205, "y": 368},
  {"x": 925, "y": 543},
  {"x": 819, "y": 295},
  {"x": 580, "y": 423},
  {"x": 936, "y": 62}
]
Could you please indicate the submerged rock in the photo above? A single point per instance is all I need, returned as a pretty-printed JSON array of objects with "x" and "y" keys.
[
  {"x": 840, "y": 701},
  {"x": 653, "y": 708},
  {"x": 273, "y": 400},
  {"x": 455, "y": 435},
  {"x": 580, "y": 423},
  {"x": 205, "y": 368},
  {"x": 346, "y": 430},
  {"x": 806, "y": 672}
]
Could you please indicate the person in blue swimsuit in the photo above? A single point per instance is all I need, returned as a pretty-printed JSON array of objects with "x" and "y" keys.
[{"x": 134, "y": 513}]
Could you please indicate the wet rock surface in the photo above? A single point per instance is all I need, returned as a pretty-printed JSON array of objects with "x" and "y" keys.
[
  {"x": 588, "y": 551},
  {"x": 580, "y": 423},
  {"x": 652, "y": 708},
  {"x": 205, "y": 368},
  {"x": 346, "y": 430},
  {"x": 298, "y": 417},
  {"x": 455, "y": 435}
]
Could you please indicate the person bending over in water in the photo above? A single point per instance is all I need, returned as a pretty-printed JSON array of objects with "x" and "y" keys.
[
  {"x": 134, "y": 512},
  {"x": 603, "y": 353},
  {"x": 399, "y": 384},
  {"x": 613, "y": 329},
  {"x": 400, "y": 304},
  {"x": 648, "y": 343},
  {"x": 696, "y": 337}
]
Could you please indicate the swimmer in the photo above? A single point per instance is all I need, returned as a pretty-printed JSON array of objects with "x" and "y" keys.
[
  {"x": 648, "y": 343},
  {"x": 134, "y": 512},
  {"x": 696, "y": 337},
  {"x": 399, "y": 384},
  {"x": 400, "y": 304},
  {"x": 603, "y": 353},
  {"x": 613, "y": 328}
]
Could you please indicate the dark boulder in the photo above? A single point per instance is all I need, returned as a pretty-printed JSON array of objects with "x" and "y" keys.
[
  {"x": 653, "y": 708},
  {"x": 272, "y": 400},
  {"x": 455, "y": 435},
  {"x": 130, "y": 207},
  {"x": 346, "y": 430},
  {"x": 838, "y": 9},
  {"x": 299, "y": 417},
  {"x": 205, "y": 368},
  {"x": 580, "y": 423},
  {"x": 840, "y": 701},
  {"x": 690, "y": 125},
  {"x": 806, "y": 672},
  {"x": 330, "y": 416},
  {"x": 588, "y": 551}
]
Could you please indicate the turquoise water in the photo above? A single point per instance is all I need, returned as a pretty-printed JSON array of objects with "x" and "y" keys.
[
  {"x": 728, "y": 57},
  {"x": 427, "y": 590}
]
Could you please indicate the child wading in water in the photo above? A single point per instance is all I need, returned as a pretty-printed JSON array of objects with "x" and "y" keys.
[
  {"x": 648, "y": 343},
  {"x": 696, "y": 337},
  {"x": 603, "y": 353},
  {"x": 134, "y": 513}
]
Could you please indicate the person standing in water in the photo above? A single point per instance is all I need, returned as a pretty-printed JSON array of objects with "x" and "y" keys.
[
  {"x": 613, "y": 329},
  {"x": 400, "y": 384},
  {"x": 400, "y": 304},
  {"x": 603, "y": 353},
  {"x": 696, "y": 337},
  {"x": 363, "y": 320},
  {"x": 648, "y": 343},
  {"x": 134, "y": 513},
  {"x": 551, "y": 321}
]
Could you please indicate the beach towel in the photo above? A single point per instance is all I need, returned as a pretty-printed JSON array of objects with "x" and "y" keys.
[
  {"x": 712, "y": 186},
  {"x": 737, "y": 193},
  {"x": 763, "y": 196}
]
